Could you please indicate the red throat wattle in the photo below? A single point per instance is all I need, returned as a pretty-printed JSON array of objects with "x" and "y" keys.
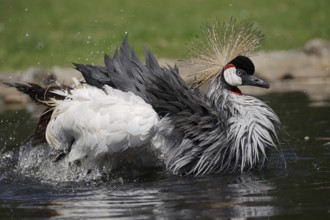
[{"x": 236, "y": 90}]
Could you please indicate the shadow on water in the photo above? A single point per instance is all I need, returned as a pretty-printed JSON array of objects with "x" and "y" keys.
[{"x": 300, "y": 191}]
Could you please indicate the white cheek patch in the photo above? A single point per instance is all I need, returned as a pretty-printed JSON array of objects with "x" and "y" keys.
[{"x": 231, "y": 77}]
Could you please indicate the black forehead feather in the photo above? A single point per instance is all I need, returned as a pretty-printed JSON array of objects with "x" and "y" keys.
[{"x": 243, "y": 62}]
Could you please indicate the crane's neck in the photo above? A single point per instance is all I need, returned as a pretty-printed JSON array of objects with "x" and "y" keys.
[{"x": 221, "y": 93}]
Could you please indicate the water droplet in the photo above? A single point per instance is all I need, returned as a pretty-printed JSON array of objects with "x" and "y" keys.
[{"x": 40, "y": 45}]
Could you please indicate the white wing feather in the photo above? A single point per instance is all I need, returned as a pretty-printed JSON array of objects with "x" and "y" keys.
[{"x": 100, "y": 122}]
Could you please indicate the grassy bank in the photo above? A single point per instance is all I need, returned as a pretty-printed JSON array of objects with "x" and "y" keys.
[{"x": 47, "y": 33}]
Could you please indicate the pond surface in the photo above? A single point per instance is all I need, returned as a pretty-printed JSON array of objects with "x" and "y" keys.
[{"x": 299, "y": 191}]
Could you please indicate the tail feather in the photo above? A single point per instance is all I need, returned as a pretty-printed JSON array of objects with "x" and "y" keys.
[
  {"x": 39, "y": 136},
  {"x": 94, "y": 75},
  {"x": 40, "y": 95}
]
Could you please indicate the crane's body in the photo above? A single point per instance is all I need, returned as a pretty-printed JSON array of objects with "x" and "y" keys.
[{"x": 127, "y": 104}]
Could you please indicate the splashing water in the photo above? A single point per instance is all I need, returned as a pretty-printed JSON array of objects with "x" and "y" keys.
[{"x": 22, "y": 159}]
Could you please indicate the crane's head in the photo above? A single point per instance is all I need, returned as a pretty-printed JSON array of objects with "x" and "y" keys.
[{"x": 239, "y": 72}]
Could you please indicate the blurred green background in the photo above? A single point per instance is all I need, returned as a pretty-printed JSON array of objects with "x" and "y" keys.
[{"x": 47, "y": 33}]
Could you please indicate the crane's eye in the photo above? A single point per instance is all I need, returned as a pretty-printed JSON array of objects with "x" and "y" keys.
[{"x": 238, "y": 73}]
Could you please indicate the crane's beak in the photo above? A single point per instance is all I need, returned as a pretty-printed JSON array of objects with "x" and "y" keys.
[{"x": 251, "y": 80}]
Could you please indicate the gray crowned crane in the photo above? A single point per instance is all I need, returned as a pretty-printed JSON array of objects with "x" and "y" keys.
[{"x": 127, "y": 104}]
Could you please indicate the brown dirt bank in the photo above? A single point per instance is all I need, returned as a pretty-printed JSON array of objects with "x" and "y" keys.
[{"x": 306, "y": 70}]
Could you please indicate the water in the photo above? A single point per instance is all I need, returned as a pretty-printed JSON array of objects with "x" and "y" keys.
[{"x": 299, "y": 191}]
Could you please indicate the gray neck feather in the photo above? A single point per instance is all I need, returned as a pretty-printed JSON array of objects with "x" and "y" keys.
[{"x": 219, "y": 96}]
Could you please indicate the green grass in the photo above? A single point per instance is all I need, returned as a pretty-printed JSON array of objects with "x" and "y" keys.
[{"x": 48, "y": 33}]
